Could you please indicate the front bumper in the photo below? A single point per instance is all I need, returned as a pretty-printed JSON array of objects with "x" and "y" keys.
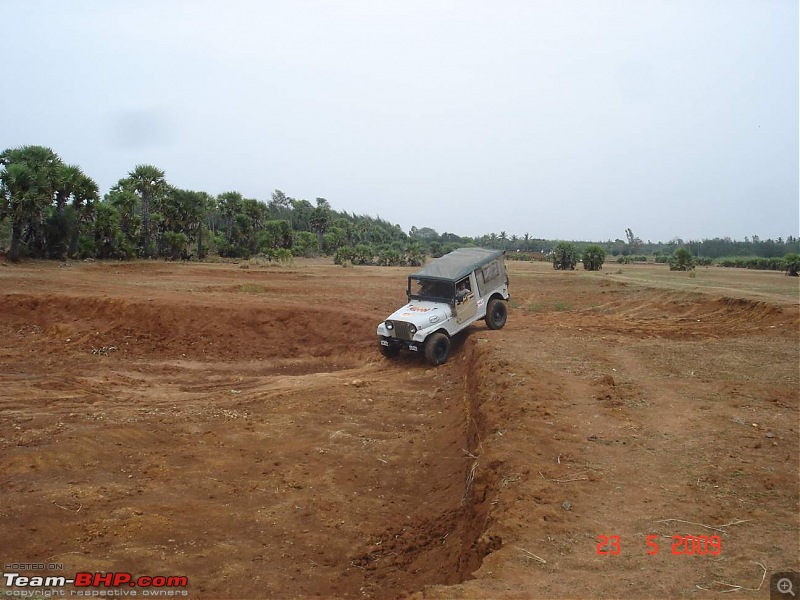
[{"x": 412, "y": 345}]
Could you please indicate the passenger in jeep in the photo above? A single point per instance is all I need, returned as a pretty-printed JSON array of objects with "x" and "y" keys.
[{"x": 462, "y": 291}]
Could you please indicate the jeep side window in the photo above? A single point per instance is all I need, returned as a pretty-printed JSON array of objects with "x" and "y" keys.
[
  {"x": 491, "y": 271},
  {"x": 489, "y": 276},
  {"x": 462, "y": 290}
]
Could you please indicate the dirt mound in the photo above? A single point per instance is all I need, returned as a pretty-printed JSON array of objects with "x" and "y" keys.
[
  {"x": 158, "y": 327},
  {"x": 720, "y": 317},
  {"x": 678, "y": 315},
  {"x": 747, "y": 311}
]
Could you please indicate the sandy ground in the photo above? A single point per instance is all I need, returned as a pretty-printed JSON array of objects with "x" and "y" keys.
[{"x": 235, "y": 423}]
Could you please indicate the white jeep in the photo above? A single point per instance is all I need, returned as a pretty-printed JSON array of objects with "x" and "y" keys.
[{"x": 445, "y": 297}]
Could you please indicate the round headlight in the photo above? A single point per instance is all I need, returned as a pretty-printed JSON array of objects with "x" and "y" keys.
[
  {"x": 389, "y": 325},
  {"x": 412, "y": 329}
]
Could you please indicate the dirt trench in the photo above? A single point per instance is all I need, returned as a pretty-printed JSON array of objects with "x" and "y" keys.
[{"x": 446, "y": 544}]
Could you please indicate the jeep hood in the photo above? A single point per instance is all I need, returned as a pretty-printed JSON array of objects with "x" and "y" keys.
[{"x": 422, "y": 313}]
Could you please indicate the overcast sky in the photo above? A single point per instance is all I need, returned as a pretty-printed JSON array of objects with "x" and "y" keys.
[{"x": 566, "y": 119}]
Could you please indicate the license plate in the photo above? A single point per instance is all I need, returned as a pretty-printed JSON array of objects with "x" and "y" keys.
[{"x": 412, "y": 347}]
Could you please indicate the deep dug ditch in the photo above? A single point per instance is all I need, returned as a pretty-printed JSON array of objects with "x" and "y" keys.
[{"x": 445, "y": 548}]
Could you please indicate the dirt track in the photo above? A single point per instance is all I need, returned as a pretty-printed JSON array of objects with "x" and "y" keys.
[{"x": 238, "y": 426}]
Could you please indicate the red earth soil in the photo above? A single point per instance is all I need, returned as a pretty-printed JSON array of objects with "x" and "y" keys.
[{"x": 235, "y": 423}]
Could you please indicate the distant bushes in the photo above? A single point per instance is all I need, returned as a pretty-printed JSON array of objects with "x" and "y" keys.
[
  {"x": 624, "y": 260},
  {"x": 565, "y": 256},
  {"x": 740, "y": 262},
  {"x": 387, "y": 256},
  {"x": 681, "y": 260},
  {"x": 787, "y": 263},
  {"x": 593, "y": 257},
  {"x": 361, "y": 254},
  {"x": 792, "y": 263},
  {"x": 527, "y": 256}
]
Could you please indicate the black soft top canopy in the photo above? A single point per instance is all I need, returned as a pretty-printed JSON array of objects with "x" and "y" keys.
[{"x": 458, "y": 263}]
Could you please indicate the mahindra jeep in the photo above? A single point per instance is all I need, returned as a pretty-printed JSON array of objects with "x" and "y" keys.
[{"x": 445, "y": 297}]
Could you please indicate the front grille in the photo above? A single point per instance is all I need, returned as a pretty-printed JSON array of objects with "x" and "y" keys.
[{"x": 401, "y": 330}]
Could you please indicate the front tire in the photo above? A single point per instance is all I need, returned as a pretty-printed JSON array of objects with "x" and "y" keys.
[
  {"x": 496, "y": 314},
  {"x": 437, "y": 349}
]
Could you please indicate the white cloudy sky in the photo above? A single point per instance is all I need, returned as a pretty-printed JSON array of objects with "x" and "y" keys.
[{"x": 569, "y": 119}]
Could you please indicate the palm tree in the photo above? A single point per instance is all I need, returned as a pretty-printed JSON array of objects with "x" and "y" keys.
[
  {"x": 15, "y": 180},
  {"x": 414, "y": 254},
  {"x": 201, "y": 207},
  {"x": 229, "y": 203},
  {"x": 150, "y": 185},
  {"x": 73, "y": 184},
  {"x": 28, "y": 181},
  {"x": 320, "y": 219},
  {"x": 68, "y": 178},
  {"x": 125, "y": 201},
  {"x": 257, "y": 212},
  {"x": 84, "y": 195}
]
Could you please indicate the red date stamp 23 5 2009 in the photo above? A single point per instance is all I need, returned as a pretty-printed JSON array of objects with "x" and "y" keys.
[{"x": 682, "y": 545}]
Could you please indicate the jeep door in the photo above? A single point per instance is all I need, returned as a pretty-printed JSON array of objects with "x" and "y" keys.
[{"x": 466, "y": 299}]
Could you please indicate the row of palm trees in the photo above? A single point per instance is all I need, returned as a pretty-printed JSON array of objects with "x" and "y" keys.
[{"x": 54, "y": 210}]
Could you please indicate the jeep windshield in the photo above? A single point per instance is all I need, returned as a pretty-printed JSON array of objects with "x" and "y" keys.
[{"x": 436, "y": 290}]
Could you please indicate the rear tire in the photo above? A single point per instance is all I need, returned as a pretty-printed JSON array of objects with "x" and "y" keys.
[
  {"x": 437, "y": 349},
  {"x": 496, "y": 314}
]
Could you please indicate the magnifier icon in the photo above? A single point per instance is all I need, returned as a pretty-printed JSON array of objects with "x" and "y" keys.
[{"x": 785, "y": 586}]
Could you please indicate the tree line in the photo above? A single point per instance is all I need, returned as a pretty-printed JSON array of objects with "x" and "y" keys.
[
  {"x": 565, "y": 256},
  {"x": 714, "y": 248},
  {"x": 51, "y": 209}
]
